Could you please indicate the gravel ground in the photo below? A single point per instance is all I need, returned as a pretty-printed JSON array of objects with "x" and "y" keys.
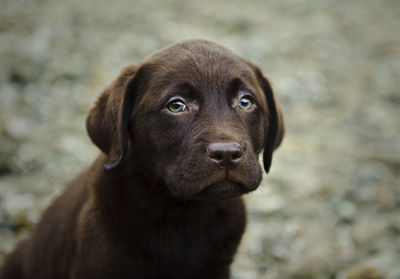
[{"x": 330, "y": 207}]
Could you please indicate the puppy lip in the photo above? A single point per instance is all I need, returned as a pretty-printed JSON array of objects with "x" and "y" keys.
[
  {"x": 222, "y": 190},
  {"x": 225, "y": 185},
  {"x": 221, "y": 184},
  {"x": 246, "y": 186}
]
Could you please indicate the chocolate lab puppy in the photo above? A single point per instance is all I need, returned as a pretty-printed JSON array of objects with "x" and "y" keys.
[{"x": 180, "y": 136}]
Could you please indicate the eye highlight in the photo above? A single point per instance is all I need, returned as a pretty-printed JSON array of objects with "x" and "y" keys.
[
  {"x": 245, "y": 103},
  {"x": 176, "y": 106}
]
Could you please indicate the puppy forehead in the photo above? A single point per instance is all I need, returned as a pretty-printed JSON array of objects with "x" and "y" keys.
[
  {"x": 199, "y": 60},
  {"x": 202, "y": 65}
]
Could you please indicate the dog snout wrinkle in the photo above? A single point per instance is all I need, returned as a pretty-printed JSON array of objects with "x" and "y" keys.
[{"x": 225, "y": 154}]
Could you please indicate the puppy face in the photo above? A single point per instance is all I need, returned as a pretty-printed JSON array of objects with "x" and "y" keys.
[{"x": 198, "y": 116}]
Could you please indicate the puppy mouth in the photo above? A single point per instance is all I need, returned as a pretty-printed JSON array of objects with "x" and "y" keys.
[
  {"x": 219, "y": 184},
  {"x": 224, "y": 189}
]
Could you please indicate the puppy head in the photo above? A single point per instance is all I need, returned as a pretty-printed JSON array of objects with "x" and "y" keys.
[{"x": 196, "y": 115}]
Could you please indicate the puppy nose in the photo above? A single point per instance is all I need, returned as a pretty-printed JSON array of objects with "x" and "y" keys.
[{"x": 225, "y": 153}]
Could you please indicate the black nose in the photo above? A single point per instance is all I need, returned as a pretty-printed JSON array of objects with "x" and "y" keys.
[{"x": 225, "y": 153}]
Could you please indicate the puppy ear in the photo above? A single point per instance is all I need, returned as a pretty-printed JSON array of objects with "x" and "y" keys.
[
  {"x": 274, "y": 133},
  {"x": 107, "y": 122}
]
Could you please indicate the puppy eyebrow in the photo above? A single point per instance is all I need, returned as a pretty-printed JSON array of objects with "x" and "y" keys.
[
  {"x": 238, "y": 85},
  {"x": 183, "y": 90}
]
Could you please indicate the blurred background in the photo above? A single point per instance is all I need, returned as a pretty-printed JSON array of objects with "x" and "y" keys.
[{"x": 330, "y": 207}]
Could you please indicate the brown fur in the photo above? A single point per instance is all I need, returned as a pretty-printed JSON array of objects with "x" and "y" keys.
[{"x": 156, "y": 203}]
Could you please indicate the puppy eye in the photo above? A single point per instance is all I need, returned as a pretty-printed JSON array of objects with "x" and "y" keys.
[
  {"x": 245, "y": 103},
  {"x": 176, "y": 106}
]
